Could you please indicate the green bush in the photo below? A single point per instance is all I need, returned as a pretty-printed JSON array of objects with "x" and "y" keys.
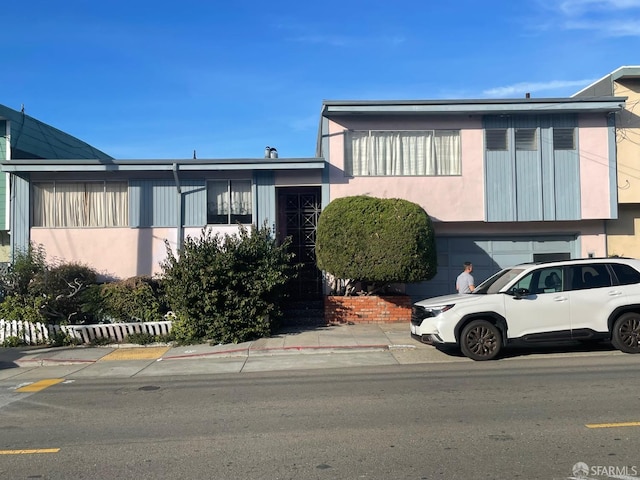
[
  {"x": 23, "y": 308},
  {"x": 63, "y": 286},
  {"x": 377, "y": 241},
  {"x": 227, "y": 288},
  {"x": 134, "y": 299},
  {"x": 25, "y": 266},
  {"x": 35, "y": 291}
]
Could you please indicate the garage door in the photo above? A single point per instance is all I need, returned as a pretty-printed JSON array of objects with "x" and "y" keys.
[{"x": 488, "y": 256}]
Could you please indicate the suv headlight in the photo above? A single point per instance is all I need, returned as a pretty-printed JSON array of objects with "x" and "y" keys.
[{"x": 420, "y": 313}]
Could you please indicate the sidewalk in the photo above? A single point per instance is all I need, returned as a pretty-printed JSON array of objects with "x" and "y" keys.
[{"x": 295, "y": 348}]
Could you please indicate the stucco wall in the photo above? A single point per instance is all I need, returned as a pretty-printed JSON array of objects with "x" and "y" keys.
[
  {"x": 595, "y": 168},
  {"x": 113, "y": 252},
  {"x": 455, "y": 198}
]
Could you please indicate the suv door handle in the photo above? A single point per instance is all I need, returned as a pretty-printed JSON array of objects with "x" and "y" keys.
[
  {"x": 615, "y": 293},
  {"x": 560, "y": 299}
]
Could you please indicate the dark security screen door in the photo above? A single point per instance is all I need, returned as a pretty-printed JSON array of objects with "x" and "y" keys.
[{"x": 298, "y": 212}]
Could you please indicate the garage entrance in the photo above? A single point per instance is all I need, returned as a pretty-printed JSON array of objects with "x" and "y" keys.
[{"x": 488, "y": 255}]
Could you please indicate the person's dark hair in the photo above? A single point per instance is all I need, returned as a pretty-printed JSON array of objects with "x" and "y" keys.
[{"x": 467, "y": 264}]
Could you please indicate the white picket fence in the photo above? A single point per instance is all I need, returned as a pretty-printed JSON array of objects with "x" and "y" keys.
[{"x": 39, "y": 333}]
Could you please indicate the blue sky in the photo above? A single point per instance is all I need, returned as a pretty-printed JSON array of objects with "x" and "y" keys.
[{"x": 145, "y": 79}]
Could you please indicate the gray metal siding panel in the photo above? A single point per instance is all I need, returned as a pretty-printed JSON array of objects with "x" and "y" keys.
[
  {"x": 548, "y": 174},
  {"x": 20, "y": 215},
  {"x": 528, "y": 186},
  {"x": 164, "y": 204},
  {"x": 265, "y": 199},
  {"x": 567, "y": 181},
  {"x": 499, "y": 189},
  {"x": 153, "y": 203},
  {"x": 194, "y": 200}
]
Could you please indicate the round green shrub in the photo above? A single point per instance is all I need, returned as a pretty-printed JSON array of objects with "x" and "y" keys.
[{"x": 376, "y": 240}]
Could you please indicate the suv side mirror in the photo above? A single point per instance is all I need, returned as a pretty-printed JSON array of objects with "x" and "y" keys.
[{"x": 519, "y": 293}]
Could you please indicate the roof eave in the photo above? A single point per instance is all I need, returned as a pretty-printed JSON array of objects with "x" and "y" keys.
[
  {"x": 473, "y": 107},
  {"x": 39, "y": 165}
]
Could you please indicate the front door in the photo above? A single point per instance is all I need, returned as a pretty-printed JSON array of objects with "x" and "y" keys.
[{"x": 298, "y": 212}]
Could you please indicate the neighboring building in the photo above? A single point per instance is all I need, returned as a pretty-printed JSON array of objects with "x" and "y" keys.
[
  {"x": 22, "y": 136},
  {"x": 623, "y": 233},
  {"x": 115, "y": 215},
  {"x": 505, "y": 181}
]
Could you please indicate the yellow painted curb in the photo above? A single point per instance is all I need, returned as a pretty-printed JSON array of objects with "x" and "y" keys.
[{"x": 139, "y": 353}]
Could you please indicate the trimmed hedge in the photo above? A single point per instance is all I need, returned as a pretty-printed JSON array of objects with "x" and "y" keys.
[{"x": 376, "y": 240}]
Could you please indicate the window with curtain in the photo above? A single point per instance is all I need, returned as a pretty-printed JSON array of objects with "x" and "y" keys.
[
  {"x": 229, "y": 202},
  {"x": 80, "y": 204},
  {"x": 401, "y": 153}
]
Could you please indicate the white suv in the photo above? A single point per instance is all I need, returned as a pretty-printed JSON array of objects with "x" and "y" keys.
[{"x": 589, "y": 299}]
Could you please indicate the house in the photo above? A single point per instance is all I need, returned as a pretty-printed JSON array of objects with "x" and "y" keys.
[
  {"x": 116, "y": 215},
  {"x": 22, "y": 136},
  {"x": 505, "y": 181},
  {"x": 623, "y": 232}
]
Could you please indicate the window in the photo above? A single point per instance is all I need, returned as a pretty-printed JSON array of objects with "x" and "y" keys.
[
  {"x": 590, "y": 276},
  {"x": 229, "y": 202},
  {"x": 496, "y": 139},
  {"x": 526, "y": 139},
  {"x": 546, "y": 280},
  {"x": 564, "y": 139},
  {"x": 80, "y": 204},
  {"x": 626, "y": 274},
  {"x": 425, "y": 152}
]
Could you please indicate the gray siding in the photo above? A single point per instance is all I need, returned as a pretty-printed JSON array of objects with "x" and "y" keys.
[
  {"x": 155, "y": 203},
  {"x": 500, "y": 191},
  {"x": 265, "y": 199},
  {"x": 20, "y": 216},
  {"x": 567, "y": 182},
  {"x": 528, "y": 181},
  {"x": 532, "y": 185}
]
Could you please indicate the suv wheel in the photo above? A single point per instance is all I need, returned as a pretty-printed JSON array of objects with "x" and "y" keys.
[
  {"x": 481, "y": 340},
  {"x": 626, "y": 333}
]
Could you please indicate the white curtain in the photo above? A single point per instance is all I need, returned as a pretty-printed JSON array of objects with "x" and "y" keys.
[
  {"x": 80, "y": 204},
  {"x": 218, "y": 198},
  {"x": 384, "y": 153},
  {"x": 240, "y": 197}
]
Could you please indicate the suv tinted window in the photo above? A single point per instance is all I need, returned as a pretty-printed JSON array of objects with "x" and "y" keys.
[
  {"x": 594, "y": 275},
  {"x": 545, "y": 280},
  {"x": 626, "y": 274}
]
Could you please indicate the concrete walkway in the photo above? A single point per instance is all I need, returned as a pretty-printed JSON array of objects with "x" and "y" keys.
[{"x": 325, "y": 347}]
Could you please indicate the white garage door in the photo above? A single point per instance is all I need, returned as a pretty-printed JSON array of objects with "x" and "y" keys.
[{"x": 488, "y": 256}]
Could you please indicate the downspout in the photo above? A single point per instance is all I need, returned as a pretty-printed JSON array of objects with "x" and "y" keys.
[{"x": 180, "y": 229}]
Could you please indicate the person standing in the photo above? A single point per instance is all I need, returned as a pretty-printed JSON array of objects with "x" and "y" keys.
[{"x": 465, "y": 282}]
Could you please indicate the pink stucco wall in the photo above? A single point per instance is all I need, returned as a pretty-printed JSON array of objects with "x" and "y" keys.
[
  {"x": 595, "y": 171},
  {"x": 451, "y": 199},
  {"x": 461, "y": 198},
  {"x": 113, "y": 252}
]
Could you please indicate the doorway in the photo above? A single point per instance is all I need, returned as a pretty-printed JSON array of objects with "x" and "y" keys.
[{"x": 298, "y": 212}]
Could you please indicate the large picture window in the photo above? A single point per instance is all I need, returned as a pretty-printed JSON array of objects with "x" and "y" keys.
[
  {"x": 80, "y": 204},
  {"x": 229, "y": 202},
  {"x": 398, "y": 153}
]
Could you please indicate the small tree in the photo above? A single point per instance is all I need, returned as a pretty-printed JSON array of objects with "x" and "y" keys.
[
  {"x": 376, "y": 241},
  {"x": 227, "y": 288}
]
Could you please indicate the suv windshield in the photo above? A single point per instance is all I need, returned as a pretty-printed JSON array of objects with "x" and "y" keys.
[{"x": 498, "y": 281}]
